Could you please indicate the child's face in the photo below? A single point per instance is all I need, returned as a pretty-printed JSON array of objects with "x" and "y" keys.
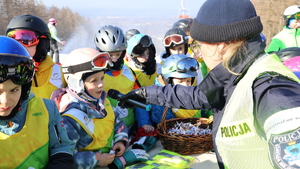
[
  {"x": 183, "y": 81},
  {"x": 31, "y": 50},
  {"x": 10, "y": 94},
  {"x": 94, "y": 84},
  {"x": 143, "y": 57},
  {"x": 115, "y": 56},
  {"x": 295, "y": 24},
  {"x": 177, "y": 49}
]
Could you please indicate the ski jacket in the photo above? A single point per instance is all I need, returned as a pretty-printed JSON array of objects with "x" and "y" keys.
[
  {"x": 284, "y": 39},
  {"x": 93, "y": 127},
  {"x": 53, "y": 32}
]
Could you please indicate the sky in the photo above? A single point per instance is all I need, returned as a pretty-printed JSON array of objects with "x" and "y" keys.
[
  {"x": 162, "y": 6},
  {"x": 152, "y": 17}
]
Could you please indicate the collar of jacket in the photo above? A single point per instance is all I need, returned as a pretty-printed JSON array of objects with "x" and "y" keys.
[{"x": 218, "y": 81}]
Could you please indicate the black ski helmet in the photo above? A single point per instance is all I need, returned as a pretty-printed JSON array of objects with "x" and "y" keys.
[
  {"x": 36, "y": 24},
  {"x": 184, "y": 24}
]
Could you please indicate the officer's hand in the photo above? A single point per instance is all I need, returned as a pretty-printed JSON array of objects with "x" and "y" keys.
[{"x": 137, "y": 95}]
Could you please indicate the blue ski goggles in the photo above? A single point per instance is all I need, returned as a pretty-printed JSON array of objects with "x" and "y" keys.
[{"x": 187, "y": 64}]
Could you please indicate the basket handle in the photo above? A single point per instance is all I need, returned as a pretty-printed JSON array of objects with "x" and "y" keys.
[{"x": 163, "y": 119}]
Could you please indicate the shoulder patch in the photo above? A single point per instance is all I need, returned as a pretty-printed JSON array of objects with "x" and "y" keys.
[{"x": 286, "y": 149}]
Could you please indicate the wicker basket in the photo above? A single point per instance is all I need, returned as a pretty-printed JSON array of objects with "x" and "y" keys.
[{"x": 184, "y": 144}]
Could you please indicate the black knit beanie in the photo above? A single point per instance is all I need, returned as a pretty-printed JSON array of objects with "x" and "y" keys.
[{"x": 226, "y": 20}]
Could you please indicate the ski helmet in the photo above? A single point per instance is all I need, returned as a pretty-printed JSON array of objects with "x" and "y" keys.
[
  {"x": 33, "y": 23},
  {"x": 179, "y": 66},
  {"x": 131, "y": 32},
  {"x": 137, "y": 45},
  {"x": 16, "y": 64},
  {"x": 184, "y": 24},
  {"x": 169, "y": 42},
  {"x": 81, "y": 61},
  {"x": 110, "y": 38},
  {"x": 52, "y": 20}
]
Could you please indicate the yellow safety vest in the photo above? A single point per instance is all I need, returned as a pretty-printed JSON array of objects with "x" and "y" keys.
[
  {"x": 30, "y": 146},
  {"x": 238, "y": 143},
  {"x": 144, "y": 80},
  {"x": 54, "y": 81},
  {"x": 101, "y": 130},
  {"x": 124, "y": 83},
  {"x": 183, "y": 113}
]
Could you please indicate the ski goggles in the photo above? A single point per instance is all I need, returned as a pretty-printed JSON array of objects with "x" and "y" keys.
[
  {"x": 18, "y": 69},
  {"x": 175, "y": 38},
  {"x": 101, "y": 61},
  {"x": 187, "y": 64},
  {"x": 25, "y": 37},
  {"x": 140, "y": 48},
  {"x": 296, "y": 16}
]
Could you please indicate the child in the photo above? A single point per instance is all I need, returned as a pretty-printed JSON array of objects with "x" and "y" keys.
[
  {"x": 31, "y": 132},
  {"x": 33, "y": 33},
  {"x": 178, "y": 69},
  {"x": 142, "y": 61},
  {"x": 120, "y": 77},
  {"x": 88, "y": 116},
  {"x": 142, "y": 58}
]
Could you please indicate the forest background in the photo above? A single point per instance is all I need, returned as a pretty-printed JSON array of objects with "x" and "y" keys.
[{"x": 79, "y": 30}]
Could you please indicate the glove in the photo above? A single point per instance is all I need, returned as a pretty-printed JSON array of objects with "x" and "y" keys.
[
  {"x": 134, "y": 155},
  {"x": 137, "y": 95},
  {"x": 146, "y": 143}
]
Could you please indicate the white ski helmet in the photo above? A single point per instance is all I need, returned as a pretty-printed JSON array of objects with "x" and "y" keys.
[
  {"x": 81, "y": 61},
  {"x": 291, "y": 10}
]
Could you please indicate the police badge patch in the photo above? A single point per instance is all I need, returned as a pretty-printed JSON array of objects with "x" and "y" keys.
[{"x": 286, "y": 149}]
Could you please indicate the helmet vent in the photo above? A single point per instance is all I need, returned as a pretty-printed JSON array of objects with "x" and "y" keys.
[
  {"x": 29, "y": 20},
  {"x": 114, "y": 39},
  {"x": 106, "y": 32},
  {"x": 103, "y": 41}
]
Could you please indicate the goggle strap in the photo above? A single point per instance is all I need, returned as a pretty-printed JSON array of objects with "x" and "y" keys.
[{"x": 77, "y": 68}]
